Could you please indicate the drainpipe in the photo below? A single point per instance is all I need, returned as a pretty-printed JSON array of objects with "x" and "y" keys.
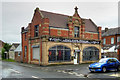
[{"x": 41, "y": 50}]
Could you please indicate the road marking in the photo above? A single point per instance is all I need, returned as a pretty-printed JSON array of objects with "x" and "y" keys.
[
  {"x": 70, "y": 73},
  {"x": 78, "y": 74},
  {"x": 34, "y": 77},
  {"x": 116, "y": 75},
  {"x": 64, "y": 72},
  {"x": 15, "y": 70},
  {"x": 59, "y": 71}
]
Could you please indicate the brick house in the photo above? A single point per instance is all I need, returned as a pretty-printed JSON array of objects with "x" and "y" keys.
[
  {"x": 111, "y": 38},
  {"x": 12, "y": 50},
  {"x": 18, "y": 53},
  {"x": 53, "y": 38}
]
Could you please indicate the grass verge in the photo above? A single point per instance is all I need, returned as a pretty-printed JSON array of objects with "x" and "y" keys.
[{"x": 8, "y": 60}]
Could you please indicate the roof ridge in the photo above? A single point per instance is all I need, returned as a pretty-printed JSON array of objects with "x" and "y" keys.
[{"x": 55, "y": 13}]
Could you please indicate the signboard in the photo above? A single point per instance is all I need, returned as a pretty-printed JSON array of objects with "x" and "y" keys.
[
  {"x": 76, "y": 50},
  {"x": 73, "y": 40}
]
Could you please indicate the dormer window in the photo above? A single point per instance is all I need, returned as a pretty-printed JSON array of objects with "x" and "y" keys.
[
  {"x": 36, "y": 29},
  {"x": 76, "y": 31}
]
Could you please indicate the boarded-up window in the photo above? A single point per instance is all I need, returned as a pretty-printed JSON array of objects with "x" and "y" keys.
[{"x": 36, "y": 53}]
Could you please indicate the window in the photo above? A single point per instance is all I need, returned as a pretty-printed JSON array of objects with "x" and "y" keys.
[
  {"x": 36, "y": 53},
  {"x": 112, "y": 40},
  {"x": 76, "y": 31},
  {"x": 36, "y": 29},
  {"x": 118, "y": 39},
  {"x": 25, "y": 51},
  {"x": 90, "y": 54},
  {"x": 59, "y": 53},
  {"x": 104, "y": 41},
  {"x": 18, "y": 53}
]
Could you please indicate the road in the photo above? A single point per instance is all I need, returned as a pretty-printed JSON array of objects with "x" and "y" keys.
[{"x": 22, "y": 70}]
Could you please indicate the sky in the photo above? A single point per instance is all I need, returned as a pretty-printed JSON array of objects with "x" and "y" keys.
[{"x": 18, "y": 14}]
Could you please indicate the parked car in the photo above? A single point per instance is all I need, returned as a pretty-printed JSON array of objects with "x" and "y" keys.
[{"x": 105, "y": 64}]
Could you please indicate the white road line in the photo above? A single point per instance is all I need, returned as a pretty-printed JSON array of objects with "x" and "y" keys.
[
  {"x": 70, "y": 73},
  {"x": 34, "y": 77},
  {"x": 64, "y": 72},
  {"x": 115, "y": 75},
  {"x": 15, "y": 71}
]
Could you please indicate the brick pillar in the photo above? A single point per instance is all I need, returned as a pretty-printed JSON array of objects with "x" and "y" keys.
[
  {"x": 118, "y": 53},
  {"x": 99, "y": 36},
  {"x": 82, "y": 30},
  {"x": 29, "y": 43},
  {"x": 45, "y": 26},
  {"x": 70, "y": 33},
  {"x": 22, "y": 29},
  {"x": 44, "y": 52}
]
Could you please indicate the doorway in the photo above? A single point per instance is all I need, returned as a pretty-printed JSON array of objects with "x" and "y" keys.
[{"x": 76, "y": 57}]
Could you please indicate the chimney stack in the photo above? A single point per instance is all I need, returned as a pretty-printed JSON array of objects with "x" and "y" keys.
[{"x": 106, "y": 29}]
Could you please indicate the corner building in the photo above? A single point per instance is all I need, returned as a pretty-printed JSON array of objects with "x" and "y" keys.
[{"x": 53, "y": 38}]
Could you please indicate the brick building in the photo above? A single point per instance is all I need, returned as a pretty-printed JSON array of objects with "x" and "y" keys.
[
  {"x": 53, "y": 38},
  {"x": 18, "y": 53},
  {"x": 111, "y": 38},
  {"x": 12, "y": 50}
]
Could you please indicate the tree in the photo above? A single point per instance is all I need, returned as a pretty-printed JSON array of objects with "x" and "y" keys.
[
  {"x": 3, "y": 51},
  {"x": 7, "y": 47}
]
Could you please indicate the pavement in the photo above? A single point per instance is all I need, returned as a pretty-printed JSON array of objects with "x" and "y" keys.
[{"x": 56, "y": 71}]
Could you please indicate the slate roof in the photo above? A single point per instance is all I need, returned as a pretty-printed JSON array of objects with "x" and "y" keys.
[
  {"x": 16, "y": 44},
  {"x": 90, "y": 25},
  {"x": 19, "y": 48},
  {"x": 56, "y": 20},
  {"x": 60, "y": 20},
  {"x": 111, "y": 31}
]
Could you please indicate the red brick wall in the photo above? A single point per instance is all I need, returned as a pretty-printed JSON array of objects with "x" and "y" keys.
[
  {"x": 91, "y": 36},
  {"x": 24, "y": 43},
  {"x": 55, "y": 32},
  {"x": 18, "y": 58},
  {"x": 108, "y": 39}
]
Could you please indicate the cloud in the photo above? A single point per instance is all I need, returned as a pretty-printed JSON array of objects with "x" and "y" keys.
[{"x": 18, "y": 14}]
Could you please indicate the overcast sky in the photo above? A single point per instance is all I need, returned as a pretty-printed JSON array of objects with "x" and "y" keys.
[{"x": 18, "y": 14}]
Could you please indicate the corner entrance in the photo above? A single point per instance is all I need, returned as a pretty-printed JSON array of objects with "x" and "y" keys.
[{"x": 76, "y": 56}]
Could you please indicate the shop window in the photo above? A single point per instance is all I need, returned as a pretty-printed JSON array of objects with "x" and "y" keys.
[
  {"x": 90, "y": 54},
  {"x": 59, "y": 53},
  {"x": 36, "y": 30},
  {"x": 112, "y": 40},
  {"x": 76, "y": 31}
]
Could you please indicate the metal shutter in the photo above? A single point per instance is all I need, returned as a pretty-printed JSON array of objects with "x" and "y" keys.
[{"x": 36, "y": 53}]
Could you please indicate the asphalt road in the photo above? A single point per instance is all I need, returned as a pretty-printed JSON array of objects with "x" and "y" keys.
[{"x": 22, "y": 70}]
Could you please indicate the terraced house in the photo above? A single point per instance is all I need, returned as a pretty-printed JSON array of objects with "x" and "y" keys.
[
  {"x": 53, "y": 38},
  {"x": 111, "y": 42}
]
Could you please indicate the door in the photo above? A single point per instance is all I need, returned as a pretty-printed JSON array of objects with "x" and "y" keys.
[{"x": 76, "y": 58}]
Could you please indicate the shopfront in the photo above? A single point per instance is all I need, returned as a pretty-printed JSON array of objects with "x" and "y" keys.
[
  {"x": 53, "y": 38},
  {"x": 72, "y": 51}
]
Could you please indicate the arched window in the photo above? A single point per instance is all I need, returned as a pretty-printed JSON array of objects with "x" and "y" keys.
[
  {"x": 59, "y": 53},
  {"x": 90, "y": 54}
]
